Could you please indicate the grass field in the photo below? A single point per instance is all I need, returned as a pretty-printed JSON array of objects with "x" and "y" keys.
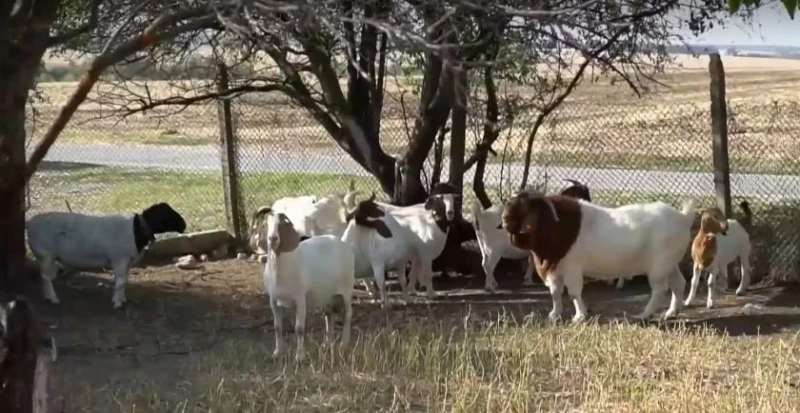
[
  {"x": 601, "y": 125},
  {"x": 200, "y": 341},
  {"x": 200, "y": 195}
]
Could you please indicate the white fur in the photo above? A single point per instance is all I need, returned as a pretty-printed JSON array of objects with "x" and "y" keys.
[
  {"x": 81, "y": 242},
  {"x": 375, "y": 255},
  {"x": 735, "y": 244},
  {"x": 625, "y": 241},
  {"x": 310, "y": 277},
  {"x": 426, "y": 237},
  {"x": 311, "y": 215},
  {"x": 494, "y": 243}
]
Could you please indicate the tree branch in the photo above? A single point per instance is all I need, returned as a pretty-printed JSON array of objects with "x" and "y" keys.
[
  {"x": 86, "y": 28},
  {"x": 553, "y": 104},
  {"x": 187, "y": 101},
  {"x": 166, "y": 26}
]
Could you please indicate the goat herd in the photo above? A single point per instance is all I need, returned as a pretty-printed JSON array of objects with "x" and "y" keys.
[{"x": 316, "y": 249}]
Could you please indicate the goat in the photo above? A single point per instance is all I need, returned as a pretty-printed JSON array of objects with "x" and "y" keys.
[
  {"x": 494, "y": 243},
  {"x": 718, "y": 243},
  {"x": 429, "y": 222},
  {"x": 305, "y": 275},
  {"x": 79, "y": 242},
  {"x": 570, "y": 237},
  {"x": 310, "y": 215},
  {"x": 381, "y": 244}
]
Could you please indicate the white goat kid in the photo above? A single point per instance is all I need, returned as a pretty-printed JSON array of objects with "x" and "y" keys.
[
  {"x": 731, "y": 242},
  {"x": 494, "y": 243},
  {"x": 79, "y": 242},
  {"x": 570, "y": 238},
  {"x": 429, "y": 222},
  {"x": 317, "y": 273},
  {"x": 381, "y": 244}
]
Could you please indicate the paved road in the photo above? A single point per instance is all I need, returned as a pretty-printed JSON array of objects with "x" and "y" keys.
[{"x": 205, "y": 158}]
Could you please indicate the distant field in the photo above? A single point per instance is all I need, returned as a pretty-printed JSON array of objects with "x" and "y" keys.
[{"x": 602, "y": 125}]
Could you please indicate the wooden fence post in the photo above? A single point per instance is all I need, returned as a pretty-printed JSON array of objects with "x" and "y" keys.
[
  {"x": 230, "y": 161},
  {"x": 719, "y": 134}
]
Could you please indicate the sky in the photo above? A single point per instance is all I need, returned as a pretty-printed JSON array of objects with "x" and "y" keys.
[{"x": 771, "y": 26}]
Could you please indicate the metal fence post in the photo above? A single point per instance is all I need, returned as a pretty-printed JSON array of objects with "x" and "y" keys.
[
  {"x": 229, "y": 158},
  {"x": 719, "y": 134}
]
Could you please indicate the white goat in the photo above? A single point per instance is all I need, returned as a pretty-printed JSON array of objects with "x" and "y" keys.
[
  {"x": 429, "y": 222},
  {"x": 310, "y": 215},
  {"x": 381, "y": 244},
  {"x": 79, "y": 242},
  {"x": 570, "y": 237},
  {"x": 494, "y": 243},
  {"x": 718, "y": 243},
  {"x": 307, "y": 276}
]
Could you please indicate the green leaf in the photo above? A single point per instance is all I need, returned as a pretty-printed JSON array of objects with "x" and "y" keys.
[
  {"x": 733, "y": 5},
  {"x": 791, "y": 6}
]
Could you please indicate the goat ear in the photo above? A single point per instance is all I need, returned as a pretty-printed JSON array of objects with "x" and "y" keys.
[
  {"x": 382, "y": 229},
  {"x": 429, "y": 202},
  {"x": 500, "y": 226}
]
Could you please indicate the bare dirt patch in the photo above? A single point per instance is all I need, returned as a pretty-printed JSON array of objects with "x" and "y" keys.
[{"x": 141, "y": 358}]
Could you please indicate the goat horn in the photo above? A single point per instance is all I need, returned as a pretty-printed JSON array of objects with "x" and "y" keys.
[
  {"x": 261, "y": 212},
  {"x": 372, "y": 197},
  {"x": 552, "y": 208}
]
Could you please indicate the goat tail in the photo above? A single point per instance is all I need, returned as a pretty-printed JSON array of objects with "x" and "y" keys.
[
  {"x": 688, "y": 208},
  {"x": 747, "y": 220}
]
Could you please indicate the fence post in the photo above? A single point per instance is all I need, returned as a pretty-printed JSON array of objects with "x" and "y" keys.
[
  {"x": 230, "y": 175},
  {"x": 719, "y": 134}
]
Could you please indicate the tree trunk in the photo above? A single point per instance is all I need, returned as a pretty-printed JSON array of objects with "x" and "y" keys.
[{"x": 18, "y": 366}]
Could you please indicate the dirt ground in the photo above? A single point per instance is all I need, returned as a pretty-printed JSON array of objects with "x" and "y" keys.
[{"x": 173, "y": 314}]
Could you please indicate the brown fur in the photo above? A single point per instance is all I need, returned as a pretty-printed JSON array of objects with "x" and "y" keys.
[
  {"x": 704, "y": 245},
  {"x": 288, "y": 237},
  {"x": 368, "y": 214},
  {"x": 531, "y": 225}
]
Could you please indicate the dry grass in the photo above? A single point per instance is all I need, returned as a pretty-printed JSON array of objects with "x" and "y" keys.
[
  {"x": 602, "y": 125},
  {"x": 200, "y": 341}
]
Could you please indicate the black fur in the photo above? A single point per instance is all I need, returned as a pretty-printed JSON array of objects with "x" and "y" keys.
[{"x": 160, "y": 218}]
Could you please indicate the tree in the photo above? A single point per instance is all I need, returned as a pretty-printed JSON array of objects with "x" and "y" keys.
[
  {"x": 734, "y": 5},
  {"x": 302, "y": 48},
  {"x": 28, "y": 28}
]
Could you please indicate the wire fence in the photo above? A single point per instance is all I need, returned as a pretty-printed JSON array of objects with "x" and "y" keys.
[{"x": 625, "y": 151}]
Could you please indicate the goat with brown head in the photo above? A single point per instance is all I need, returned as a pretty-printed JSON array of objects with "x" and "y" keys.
[
  {"x": 548, "y": 226},
  {"x": 278, "y": 231}
]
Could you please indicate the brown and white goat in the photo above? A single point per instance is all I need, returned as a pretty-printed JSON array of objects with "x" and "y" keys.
[
  {"x": 718, "y": 243},
  {"x": 572, "y": 237}
]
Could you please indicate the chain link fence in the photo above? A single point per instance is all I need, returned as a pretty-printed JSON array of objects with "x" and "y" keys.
[{"x": 625, "y": 151}]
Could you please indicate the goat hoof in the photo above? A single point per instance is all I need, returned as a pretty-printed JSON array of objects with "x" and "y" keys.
[
  {"x": 740, "y": 292},
  {"x": 554, "y": 316},
  {"x": 54, "y": 301},
  {"x": 300, "y": 356},
  {"x": 578, "y": 318},
  {"x": 710, "y": 305},
  {"x": 277, "y": 354},
  {"x": 527, "y": 283},
  {"x": 686, "y": 303}
]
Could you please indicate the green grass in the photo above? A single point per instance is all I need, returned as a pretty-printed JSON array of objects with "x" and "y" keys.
[{"x": 199, "y": 196}]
